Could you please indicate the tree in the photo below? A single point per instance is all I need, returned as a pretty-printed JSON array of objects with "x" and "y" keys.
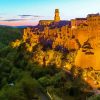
[
  {"x": 25, "y": 88},
  {"x": 45, "y": 81},
  {"x": 95, "y": 97}
]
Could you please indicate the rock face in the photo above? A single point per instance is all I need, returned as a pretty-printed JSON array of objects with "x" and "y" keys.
[{"x": 88, "y": 55}]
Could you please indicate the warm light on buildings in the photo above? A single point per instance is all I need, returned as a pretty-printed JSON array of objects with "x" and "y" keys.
[{"x": 80, "y": 34}]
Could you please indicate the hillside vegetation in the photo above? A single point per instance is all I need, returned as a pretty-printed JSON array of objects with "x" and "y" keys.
[{"x": 8, "y": 34}]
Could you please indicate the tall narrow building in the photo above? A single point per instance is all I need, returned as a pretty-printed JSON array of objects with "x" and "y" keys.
[{"x": 56, "y": 17}]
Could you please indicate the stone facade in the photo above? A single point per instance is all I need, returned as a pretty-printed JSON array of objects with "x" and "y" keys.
[
  {"x": 77, "y": 22},
  {"x": 57, "y": 17},
  {"x": 45, "y": 22}
]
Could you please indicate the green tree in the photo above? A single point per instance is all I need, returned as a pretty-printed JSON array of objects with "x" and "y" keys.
[
  {"x": 25, "y": 88},
  {"x": 96, "y": 97}
]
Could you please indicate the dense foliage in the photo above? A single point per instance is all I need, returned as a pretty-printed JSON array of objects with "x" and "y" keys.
[{"x": 8, "y": 34}]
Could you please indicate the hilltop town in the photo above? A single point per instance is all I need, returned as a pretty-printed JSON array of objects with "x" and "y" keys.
[
  {"x": 66, "y": 44},
  {"x": 76, "y": 34}
]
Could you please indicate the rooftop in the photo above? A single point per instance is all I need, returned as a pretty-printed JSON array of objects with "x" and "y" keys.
[{"x": 91, "y": 15}]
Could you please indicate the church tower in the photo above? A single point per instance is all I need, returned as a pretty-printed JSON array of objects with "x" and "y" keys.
[{"x": 57, "y": 17}]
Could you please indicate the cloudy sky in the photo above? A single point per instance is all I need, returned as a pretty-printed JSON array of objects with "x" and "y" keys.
[{"x": 29, "y": 12}]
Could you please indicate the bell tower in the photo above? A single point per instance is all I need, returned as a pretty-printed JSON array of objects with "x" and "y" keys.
[{"x": 56, "y": 17}]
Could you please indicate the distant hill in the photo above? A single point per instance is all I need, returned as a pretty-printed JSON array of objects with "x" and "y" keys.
[
  {"x": 19, "y": 26},
  {"x": 22, "y": 26}
]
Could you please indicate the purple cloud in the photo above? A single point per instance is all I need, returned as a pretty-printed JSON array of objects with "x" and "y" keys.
[
  {"x": 36, "y": 16},
  {"x": 9, "y": 20}
]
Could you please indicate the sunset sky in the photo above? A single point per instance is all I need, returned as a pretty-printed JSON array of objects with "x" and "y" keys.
[{"x": 29, "y": 12}]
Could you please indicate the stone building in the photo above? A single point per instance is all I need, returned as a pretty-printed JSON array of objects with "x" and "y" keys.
[
  {"x": 48, "y": 22},
  {"x": 55, "y": 20},
  {"x": 93, "y": 20},
  {"x": 45, "y": 22},
  {"x": 77, "y": 22},
  {"x": 57, "y": 16}
]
